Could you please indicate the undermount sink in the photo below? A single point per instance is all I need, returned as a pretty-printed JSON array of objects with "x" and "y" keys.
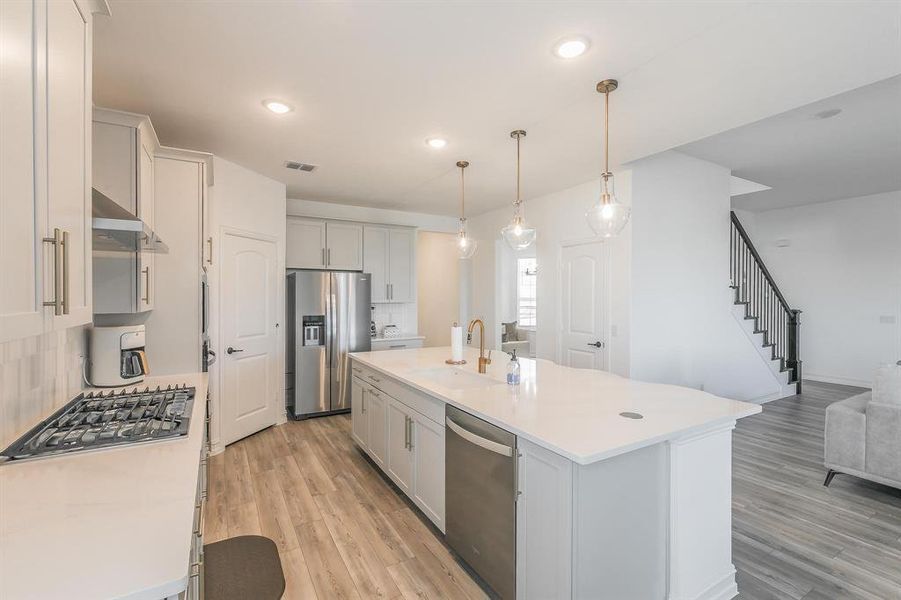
[{"x": 455, "y": 379}]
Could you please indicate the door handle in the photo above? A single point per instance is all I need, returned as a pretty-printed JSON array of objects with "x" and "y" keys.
[
  {"x": 597, "y": 344},
  {"x": 231, "y": 350}
]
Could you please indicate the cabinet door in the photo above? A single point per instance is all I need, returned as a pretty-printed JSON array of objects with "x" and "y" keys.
[
  {"x": 375, "y": 260},
  {"x": 344, "y": 249},
  {"x": 428, "y": 478},
  {"x": 544, "y": 523},
  {"x": 358, "y": 420},
  {"x": 146, "y": 272},
  {"x": 401, "y": 243},
  {"x": 377, "y": 411},
  {"x": 68, "y": 152},
  {"x": 305, "y": 245},
  {"x": 400, "y": 455},
  {"x": 21, "y": 213}
]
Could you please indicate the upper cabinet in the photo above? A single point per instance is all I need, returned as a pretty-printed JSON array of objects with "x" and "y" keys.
[
  {"x": 389, "y": 256},
  {"x": 316, "y": 244},
  {"x": 124, "y": 146},
  {"x": 45, "y": 150}
]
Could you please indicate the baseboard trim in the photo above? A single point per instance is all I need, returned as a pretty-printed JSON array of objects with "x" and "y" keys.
[
  {"x": 724, "y": 589},
  {"x": 838, "y": 380}
]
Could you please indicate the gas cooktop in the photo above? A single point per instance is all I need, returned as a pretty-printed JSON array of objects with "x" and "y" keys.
[{"x": 98, "y": 420}]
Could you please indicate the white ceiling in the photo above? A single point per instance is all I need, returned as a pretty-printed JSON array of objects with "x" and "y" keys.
[
  {"x": 371, "y": 80},
  {"x": 806, "y": 159}
]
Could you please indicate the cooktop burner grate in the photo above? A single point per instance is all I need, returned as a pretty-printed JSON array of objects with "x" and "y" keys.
[{"x": 102, "y": 419}]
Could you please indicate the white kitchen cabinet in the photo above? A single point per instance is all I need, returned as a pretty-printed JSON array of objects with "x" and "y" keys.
[
  {"x": 375, "y": 261},
  {"x": 22, "y": 215},
  {"x": 389, "y": 256},
  {"x": 344, "y": 246},
  {"x": 359, "y": 426},
  {"x": 401, "y": 276},
  {"x": 543, "y": 523},
  {"x": 377, "y": 422},
  {"x": 400, "y": 453},
  {"x": 428, "y": 466},
  {"x": 316, "y": 244},
  {"x": 124, "y": 150},
  {"x": 45, "y": 230},
  {"x": 305, "y": 247}
]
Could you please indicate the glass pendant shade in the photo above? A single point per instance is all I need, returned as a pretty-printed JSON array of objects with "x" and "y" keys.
[
  {"x": 466, "y": 246},
  {"x": 518, "y": 234},
  {"x": 608, "y": 217}
]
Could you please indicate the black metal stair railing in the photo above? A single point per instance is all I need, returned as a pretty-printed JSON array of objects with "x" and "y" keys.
[{"x": 757, "y": 291}]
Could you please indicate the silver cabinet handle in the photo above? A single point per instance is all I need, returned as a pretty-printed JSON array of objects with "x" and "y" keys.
[
  {"x": 387, "y": 291},
  {"x": 65, "y": 253},
  {"x": 478, "y": 440},
  {"x": 57, "y": 242},
  {"x": 323, "y": 257},
  {"x": 390, "y": 291},
  {"x": 410, "y": 435},
  {"x": 231, "y": 350},
  {"x": 373, "y": 378},
  {"x": 146, "y": 297},
  {"x": 328, "y": 254},
  {"x": 406, "y": 432},
  {"x": 363, "y": 403},
  {"x": 209, "y": 241},
  {"x": 398, "y": 346}
]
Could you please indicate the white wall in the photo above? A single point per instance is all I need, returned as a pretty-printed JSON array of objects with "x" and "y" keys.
[
  {"x": 243, "y": 199},
  {"x": 438, "y": 286},
  {"x": 559, "y": 218},
  {"x": 683, "y": 331},
  {"x": 346, "y": 212},
  {"x": 842, "y": 268}
]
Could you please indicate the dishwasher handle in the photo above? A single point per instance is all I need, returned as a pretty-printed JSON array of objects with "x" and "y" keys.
[{"x": 478, "y": 440}]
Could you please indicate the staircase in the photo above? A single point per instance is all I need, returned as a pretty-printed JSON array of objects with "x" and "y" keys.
[{"x": 759, "y": 301}]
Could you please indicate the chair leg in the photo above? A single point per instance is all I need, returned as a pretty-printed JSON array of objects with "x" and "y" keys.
[{"x": 829, "y": 477}]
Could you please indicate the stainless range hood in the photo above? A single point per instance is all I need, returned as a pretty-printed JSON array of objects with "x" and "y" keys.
[{"x": 117, "y": 230}]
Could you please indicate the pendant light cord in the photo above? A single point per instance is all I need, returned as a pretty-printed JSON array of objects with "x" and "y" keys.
[
  {"x": 462, "y": 194},
  {"x": 518, "y": 201},
  {"x": 606, "y": 133}
]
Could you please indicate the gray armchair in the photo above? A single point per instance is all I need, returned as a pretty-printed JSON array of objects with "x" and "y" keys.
[{"x": 863, "y": 433}]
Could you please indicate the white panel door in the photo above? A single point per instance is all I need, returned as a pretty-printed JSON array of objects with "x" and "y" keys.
[
  {"x": 401, "y": 246},
  {"x": 377, "y": 414},
  {"x": 583, "y": 304},
  {"x": 21, "y": 214},
  {"x": 68, "y": 155},
  {"x": 344, "y": 250},
  {"x": 305, "y": 244},
  {"x": 428, "y": 457},
  {"x": 375, "y": 260},
  {"x": 400, "y": 456},
  {"x": 247, "y": 293}
]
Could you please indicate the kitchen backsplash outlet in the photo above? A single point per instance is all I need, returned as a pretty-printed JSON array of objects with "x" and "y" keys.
[
  {"x": 402, "y": 315},
  {"x": 38, "y": 375}
]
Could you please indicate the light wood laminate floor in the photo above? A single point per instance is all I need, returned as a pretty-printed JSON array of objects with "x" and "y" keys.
[{"x": 343, "y": 531}]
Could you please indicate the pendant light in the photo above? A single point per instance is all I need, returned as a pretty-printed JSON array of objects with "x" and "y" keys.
[
  {"x": 518, "y": 234},
  {"x": 466, "y": 246},
  {"x": 607, "y": 217}
]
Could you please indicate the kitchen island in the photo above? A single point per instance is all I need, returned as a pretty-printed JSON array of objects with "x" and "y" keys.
[{"x": 623, "y": 488}]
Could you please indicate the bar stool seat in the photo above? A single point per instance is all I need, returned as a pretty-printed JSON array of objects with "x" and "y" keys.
[{"x": 241, "y": 568}]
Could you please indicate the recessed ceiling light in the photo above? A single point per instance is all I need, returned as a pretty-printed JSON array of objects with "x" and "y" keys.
[
  {"x": 277, "y": 107},
  {"x": 436, "y": 142},
  {"x": 827, "y": 114},
  {"x": 571, "y": 47}
]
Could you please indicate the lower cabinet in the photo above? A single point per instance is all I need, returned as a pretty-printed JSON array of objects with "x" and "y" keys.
[{"x": 407, "y": 445}]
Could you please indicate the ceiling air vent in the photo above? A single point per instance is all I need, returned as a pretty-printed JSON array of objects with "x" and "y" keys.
[{"x": 299, "y": 166}]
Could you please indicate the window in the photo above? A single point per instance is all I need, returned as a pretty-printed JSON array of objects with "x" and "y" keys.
[{"x": 526, "y": 291}]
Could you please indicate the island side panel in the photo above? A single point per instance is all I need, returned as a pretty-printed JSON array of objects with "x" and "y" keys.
[
  {"x": 700, "y": 531},
  {"x": 621, "y": 510},
  {"x": 543, "y": 523}
]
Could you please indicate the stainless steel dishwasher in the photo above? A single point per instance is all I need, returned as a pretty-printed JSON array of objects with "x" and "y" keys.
[{"x": 480, "y": 490}]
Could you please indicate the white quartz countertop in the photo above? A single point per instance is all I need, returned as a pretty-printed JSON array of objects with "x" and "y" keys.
[
  {"x": 573, "y": 412},
  {"x": 109, "y": 523}
]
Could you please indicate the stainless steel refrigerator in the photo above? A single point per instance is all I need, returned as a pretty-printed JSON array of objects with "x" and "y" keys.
[{"x": 327, "y": 317}]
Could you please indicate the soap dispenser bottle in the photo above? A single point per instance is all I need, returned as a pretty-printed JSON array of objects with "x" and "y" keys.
[{"x": 513, "y": 370}]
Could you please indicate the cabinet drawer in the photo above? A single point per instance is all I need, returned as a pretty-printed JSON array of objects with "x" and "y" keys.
[{"x": 422, "y": 403}]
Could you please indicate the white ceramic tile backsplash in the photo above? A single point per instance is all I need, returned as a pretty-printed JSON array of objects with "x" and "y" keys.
[
  {"x": 402, "y": 315},
  {"x": 37, "y": 376}
]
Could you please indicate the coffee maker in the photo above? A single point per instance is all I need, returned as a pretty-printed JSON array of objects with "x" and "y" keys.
[{"x": 117, "y": 355}]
